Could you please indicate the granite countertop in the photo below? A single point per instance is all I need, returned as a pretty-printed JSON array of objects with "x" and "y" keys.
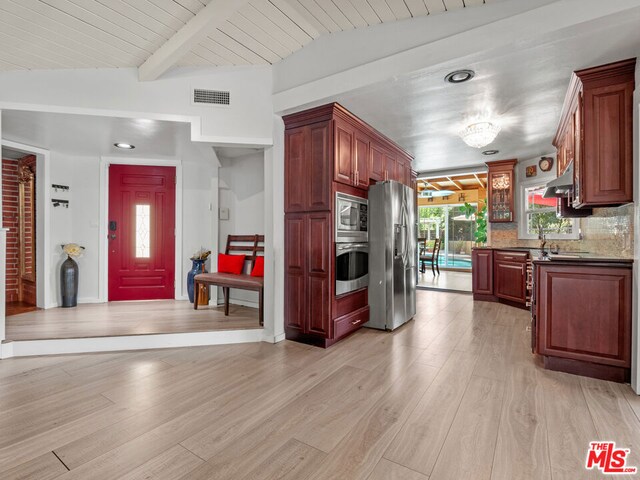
[{"x": 565, "y": 256}]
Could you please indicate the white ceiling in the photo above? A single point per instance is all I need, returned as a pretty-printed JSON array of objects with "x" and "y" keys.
[
  {"x": 81, "y": 135},
  {"x": 521, "y": 88},
  {"x": 46, "y": 34}
]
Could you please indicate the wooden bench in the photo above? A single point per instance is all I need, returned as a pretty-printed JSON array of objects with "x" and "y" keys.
[{"x": 250, "y": 245}]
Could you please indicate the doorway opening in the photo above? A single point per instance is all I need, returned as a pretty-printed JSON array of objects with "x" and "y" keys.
[
  {"x": 447, "y": 210},
  {"x": 19, "y": 217}
]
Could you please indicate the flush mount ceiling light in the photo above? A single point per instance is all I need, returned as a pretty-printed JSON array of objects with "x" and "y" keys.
[
  {"x": 126, "y": 146},
  {"x": 436, "y": 193},
  {"x": 460, "y": 76},
  {"x": 480, "y": 134},
  {"x": 490, "y": 152}
]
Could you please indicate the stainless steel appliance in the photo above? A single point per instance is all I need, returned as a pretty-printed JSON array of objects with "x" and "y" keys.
[
  {"x": 351, "y": 218},
  {"x": 352, "y": 267},
  {"x": 392, "y": 255}
]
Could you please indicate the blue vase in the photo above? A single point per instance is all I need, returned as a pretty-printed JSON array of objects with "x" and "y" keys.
[{"x": 197, "y": 267}]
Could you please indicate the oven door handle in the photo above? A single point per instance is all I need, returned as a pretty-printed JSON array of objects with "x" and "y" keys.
[{"x": 352, "y": 246}]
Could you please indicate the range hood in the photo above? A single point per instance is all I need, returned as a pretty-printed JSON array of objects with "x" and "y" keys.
[{"x": 561, "y": 186}]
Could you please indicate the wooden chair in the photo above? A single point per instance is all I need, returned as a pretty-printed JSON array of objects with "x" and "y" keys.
[
  {"x": 430, "y": 257},
  {"x": 252, "y": 246}
]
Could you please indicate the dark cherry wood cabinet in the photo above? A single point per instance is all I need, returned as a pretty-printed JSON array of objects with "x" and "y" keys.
[
  {"x": 500, "y": 275},
  {"x": 308, "y": 273},
  {"x": 583, "y": 318},
  {"x": 501, "y": 191},
  {"x": 510, "y": 274},
  {"x": 307, "y": 174},
  {"x": 377, "y": 164},
  {"x": 596, "y": 135},
  {"x": 482, "y": 273},
  {"x": 327, "y": 149}
]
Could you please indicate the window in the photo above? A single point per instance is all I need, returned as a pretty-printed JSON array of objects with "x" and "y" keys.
[
  {"x": 538, "y": 212},
  {"x": 143, "y": 231}
]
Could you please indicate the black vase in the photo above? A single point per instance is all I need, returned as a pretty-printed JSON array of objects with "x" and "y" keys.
[{"x": 69, "y": 282}]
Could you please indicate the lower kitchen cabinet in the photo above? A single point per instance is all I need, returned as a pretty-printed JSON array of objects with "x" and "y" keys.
[
  {"x": 510, "y": 274},
  {"x": 582, "y": 318},
  {"x": 308, "y": 274},
  {"x": 501, "y": 276},
  {"x": 482, "y": 273}
]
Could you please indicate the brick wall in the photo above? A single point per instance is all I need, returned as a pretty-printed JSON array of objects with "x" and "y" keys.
[
  {"x": 10, "y": 221},
  {"x": 10, "y": 212}
]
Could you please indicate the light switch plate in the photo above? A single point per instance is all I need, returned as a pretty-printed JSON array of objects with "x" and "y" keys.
[{"x": 223, "y": 214}]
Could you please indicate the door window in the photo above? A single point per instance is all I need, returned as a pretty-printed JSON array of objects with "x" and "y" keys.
[{"x": 143, "y": 231}]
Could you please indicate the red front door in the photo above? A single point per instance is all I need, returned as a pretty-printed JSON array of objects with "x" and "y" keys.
[{"x": 141, "y": 232}]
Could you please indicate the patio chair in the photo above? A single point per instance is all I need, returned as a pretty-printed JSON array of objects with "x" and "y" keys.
[{"x": 430, "y": 257}]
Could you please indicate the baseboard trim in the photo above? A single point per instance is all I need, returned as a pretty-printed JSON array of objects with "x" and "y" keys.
[{"x": 27, "y": 348}]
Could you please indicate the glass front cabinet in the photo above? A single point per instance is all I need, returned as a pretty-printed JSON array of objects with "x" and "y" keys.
[{"x": 501, "y": 191}]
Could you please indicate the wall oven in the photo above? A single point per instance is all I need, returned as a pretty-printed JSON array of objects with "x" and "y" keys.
[
  {"x": 352, "y": 267},
  {"x": 351, "y": 218}
]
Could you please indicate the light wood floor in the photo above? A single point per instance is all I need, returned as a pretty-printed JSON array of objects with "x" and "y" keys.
[
  {"x": 127, "y": 318},
  {"x": 454, "y": 394}
]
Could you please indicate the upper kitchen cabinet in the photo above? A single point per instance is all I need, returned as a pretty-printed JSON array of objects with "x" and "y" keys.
[
  {"x": 351, "y": 156},
  {"x": 501, "y": 191},
  {"x": 596, "y": 134},
  {"x": 329, "y": 144},
  {"x": 307, "y": 172}
]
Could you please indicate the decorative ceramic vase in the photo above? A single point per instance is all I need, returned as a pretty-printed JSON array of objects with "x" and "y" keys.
[
  {"x": 198, "y": 267},
  {"x": 69, "y": 282}
]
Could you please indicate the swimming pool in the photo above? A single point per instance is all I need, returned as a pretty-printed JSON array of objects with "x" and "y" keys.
[{"x": 455, "y": 262}]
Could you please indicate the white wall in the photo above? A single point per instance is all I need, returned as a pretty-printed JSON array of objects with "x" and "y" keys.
[
  {"x": 117, "y": 92},
  {"x": 81, "y": 221},
  {"x": 242, "y": 191}
]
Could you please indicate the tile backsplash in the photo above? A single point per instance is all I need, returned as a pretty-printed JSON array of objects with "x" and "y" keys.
[{"x": 608, "y": 232}]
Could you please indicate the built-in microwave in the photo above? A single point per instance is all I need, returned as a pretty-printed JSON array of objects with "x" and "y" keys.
[
  {"x": 351, "y": 218},
  {"x": 352, "y": 267}
]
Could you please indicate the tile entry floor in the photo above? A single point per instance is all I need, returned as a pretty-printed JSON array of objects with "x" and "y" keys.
[
  {"x": 454, "y": 394},
  {"x": 447, "y": 280}
]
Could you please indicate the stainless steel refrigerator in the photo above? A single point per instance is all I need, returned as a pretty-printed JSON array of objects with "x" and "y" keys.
[{"x": 392, "y": 255}]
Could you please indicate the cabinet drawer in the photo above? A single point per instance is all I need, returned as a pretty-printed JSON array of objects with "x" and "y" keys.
[
  {"x": 349, "y": 323},
  {"x": 350, "y": 302},
  {"x": 512, "y": 256}
]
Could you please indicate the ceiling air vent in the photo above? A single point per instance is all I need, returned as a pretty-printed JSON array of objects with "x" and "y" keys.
[{"x": 211, "y": 97}]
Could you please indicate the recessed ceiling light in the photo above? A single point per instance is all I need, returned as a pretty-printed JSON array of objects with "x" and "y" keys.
[
  {"x": 490, "y": 152},
  {"x": 126, "y": 146},
  {"x": 460, "y": 76}
]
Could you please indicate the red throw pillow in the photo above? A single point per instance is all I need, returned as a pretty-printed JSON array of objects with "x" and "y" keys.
[
  {"x": 258, "y": 268},
  {"x": 230, "y": 263}
]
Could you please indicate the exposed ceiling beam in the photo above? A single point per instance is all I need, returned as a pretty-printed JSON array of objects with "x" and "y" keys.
[
  {"x": 432, "y": 185},
  {"x": 456, "y": 183},
  {"x": 214, "y": 14},
  {"x": 479, "y": 181}
]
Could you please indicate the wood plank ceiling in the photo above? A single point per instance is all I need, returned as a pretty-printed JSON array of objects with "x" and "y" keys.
[
  {"x": 53, "y": 34},
  {"x": 473, "y": 181}
]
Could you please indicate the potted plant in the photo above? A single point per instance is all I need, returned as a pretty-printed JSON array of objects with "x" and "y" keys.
[{"x": 480, "y": 234}]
